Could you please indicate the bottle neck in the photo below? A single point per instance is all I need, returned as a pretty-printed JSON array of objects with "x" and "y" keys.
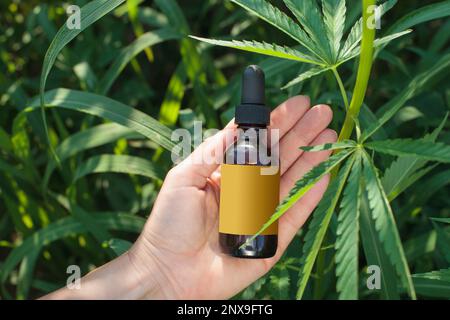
[{"x": 246, "y": 126}]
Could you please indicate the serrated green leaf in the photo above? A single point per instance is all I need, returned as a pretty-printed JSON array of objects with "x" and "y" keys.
[
  {"x": 309, "y": 17},
  {"x": 420, "y": 15},
  {"x": 376, "y": 44},
  {"x": 375, "y": 254},
  {"x": 301, "y": 187},
  {"x": 319, "y": 225},
  {"x": 433, "y": 284},
  {"x": 404, "y": 171},
  {"x": 387, "y": 111},
  {"x": 118, "y": 164},
  {"x": 347, "y": 235},
  {"x": 108, "y": 109},
  {"x": 345, "y": 144},
  {"x": 355, "y": 34},
  {"x": 267, "y": 49},
  {"x": 334, "y": 12},
  {"x": 433, "y": 151},
  {"x": 443, "y": 274},
  {"x": 385, "y": 224},
  {"x": 278, "y": 19},
  {"x": 305, "y": 75}
]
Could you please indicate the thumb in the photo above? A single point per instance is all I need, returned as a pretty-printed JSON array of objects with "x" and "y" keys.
[{"x": 203, "y": 161}]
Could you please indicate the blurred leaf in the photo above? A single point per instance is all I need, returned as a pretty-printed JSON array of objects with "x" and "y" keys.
[
  {"x": 109, "y": 109},
  {"x": 444, "y": 220},
  {"x": 433, "y": 151},
  {"x": 118, "y": 164},
  {"x": 25, "y": 277},
  {"x": 443, "y": 242},
  {"x": 387, "y": 111},
  {"x": 87, "y": 139},
  {"x": 100, "y": 232},
  {"x": 420, "y": 15},
  {"x": 86, "y": 76},
  {"x": 127, "y": 54},
  {"x": 89, "y": 14},
  {"x": 404, "y": 171},
  {"x": 63, "y": 228},
  {"x": 279, "y": 283},
  {"x": 119, "y": 246},
  {"x": 171, "y": 105}
]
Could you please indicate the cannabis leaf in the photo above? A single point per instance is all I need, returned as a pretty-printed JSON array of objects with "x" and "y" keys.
[
  {"x": 347, "y": 235},
  {"x": 385, "y": 223},
  {"x": 319, "y": 226},
  {"x": 301, "y": 187},
  {"x": 318, "y": 33},
  {"x": 433, "y": 151}
]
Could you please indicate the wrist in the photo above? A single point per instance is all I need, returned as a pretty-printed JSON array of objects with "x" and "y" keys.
[{"x": 153, "y": 276}]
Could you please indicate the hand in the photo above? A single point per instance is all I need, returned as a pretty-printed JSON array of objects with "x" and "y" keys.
[{"x": 177, "y": 256}]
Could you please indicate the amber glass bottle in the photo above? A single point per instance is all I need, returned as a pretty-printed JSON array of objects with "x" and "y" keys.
[{"x": 248, "y": 197}]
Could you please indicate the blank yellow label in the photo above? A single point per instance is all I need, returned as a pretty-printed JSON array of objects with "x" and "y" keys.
[{"x": 247, "y": 199}]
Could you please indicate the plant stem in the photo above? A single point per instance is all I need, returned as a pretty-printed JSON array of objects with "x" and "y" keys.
[
  {"x": 362, "y": 79},
  {"x": 341, "y": 87}
]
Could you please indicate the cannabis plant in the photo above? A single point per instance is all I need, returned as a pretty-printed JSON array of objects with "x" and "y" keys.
[
  {"x": 358, "y": 198},
  {"x": 85, "y": 141}
]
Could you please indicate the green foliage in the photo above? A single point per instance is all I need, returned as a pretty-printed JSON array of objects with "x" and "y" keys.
[
  {"x": 408, "y": 147},
  {"x": 320, "y": 35},
  {"x": 347, "y": 235},
  {"x": 319, "y": 225},
  {"x": 137, "y": 74},
  {"x": 385, "y": 224}
]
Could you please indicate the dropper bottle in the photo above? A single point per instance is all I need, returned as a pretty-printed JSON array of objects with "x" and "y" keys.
[{"x": 249, "y": 195}]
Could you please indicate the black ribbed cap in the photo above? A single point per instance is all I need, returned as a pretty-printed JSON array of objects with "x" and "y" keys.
[{"x": 252, "y": 110}]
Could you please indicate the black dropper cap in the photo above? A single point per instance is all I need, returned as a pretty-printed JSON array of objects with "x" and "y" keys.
[{"x": 252, "y": 110}]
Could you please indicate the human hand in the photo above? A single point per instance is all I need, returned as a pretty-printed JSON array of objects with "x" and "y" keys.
[
  {"x": 179, "y": 248},
  {"x": 177, "y": 255}
]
